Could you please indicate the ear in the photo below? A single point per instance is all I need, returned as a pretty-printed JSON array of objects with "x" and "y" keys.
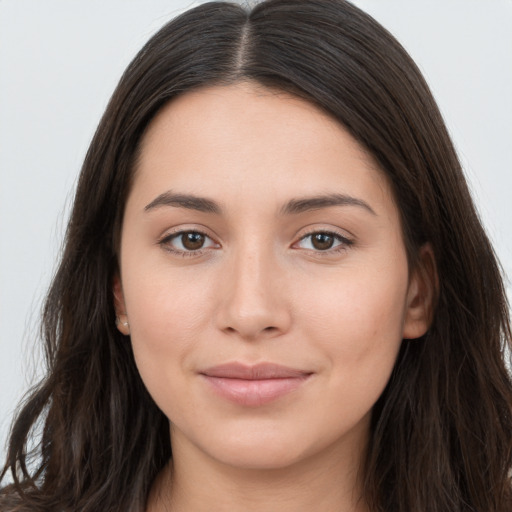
[
  {"x": 421, "y": 295},
  {"x": 121, "y": 317}
]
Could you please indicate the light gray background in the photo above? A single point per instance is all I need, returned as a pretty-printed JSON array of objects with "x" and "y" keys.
[{"x": 60, "y": 61}]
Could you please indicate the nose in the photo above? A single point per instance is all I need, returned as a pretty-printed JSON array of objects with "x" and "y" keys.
[{"x": 252, "y": 298}]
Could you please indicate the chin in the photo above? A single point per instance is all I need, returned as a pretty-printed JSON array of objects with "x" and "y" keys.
[
  {"x": 260, "y": 457},
  {"x": 277, "y": 445}
]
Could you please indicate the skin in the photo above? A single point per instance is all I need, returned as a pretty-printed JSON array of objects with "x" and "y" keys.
[{"x": 260, "y": 290}]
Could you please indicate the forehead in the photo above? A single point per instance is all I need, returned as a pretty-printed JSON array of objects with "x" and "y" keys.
[
  {"x": 242, "y": 140},
  {"x": 244, "y": 110}
]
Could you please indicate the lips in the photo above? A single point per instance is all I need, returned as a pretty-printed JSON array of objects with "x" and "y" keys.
[{"x": 253, "y": 386}]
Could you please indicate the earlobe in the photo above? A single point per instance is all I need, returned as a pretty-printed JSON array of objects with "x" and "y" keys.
[
  {"x": 119, "y": 305},
  {"x": 421, "y": 295}
]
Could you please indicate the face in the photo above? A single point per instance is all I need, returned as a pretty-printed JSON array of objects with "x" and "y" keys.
[{"x": 263, "y": 278}]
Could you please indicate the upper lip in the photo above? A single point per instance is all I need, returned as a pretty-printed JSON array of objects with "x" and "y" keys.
[{"x": 258, "y": 371}]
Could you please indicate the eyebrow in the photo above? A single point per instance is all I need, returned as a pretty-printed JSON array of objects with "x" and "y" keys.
[
  {"x": 187, "y": 201},
  {"x": 306, "y": 204},
  {"x": 292, "y": 207}
]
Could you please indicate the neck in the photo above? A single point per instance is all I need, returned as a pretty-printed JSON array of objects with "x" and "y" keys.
[{"x": 327, "y": 482}]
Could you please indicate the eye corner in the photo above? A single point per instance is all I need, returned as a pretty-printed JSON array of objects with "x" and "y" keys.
[
  {"x": 323, "y": 241},
  {"x": 197, "y": 244}
]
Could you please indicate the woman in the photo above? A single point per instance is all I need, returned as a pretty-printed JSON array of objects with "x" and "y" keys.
[{"x": 275, "y": 292}]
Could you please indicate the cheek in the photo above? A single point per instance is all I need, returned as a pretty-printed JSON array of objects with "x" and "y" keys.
[
  {"x": 357, "y": 301},
  {"x": 166, "y": 315},
  {"x": 166, "y": 318},
  {"x": 358, "y": 331},
  {"x": 357, "y": 321}
]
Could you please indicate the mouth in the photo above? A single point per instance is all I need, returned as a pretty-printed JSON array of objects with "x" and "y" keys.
[{"x": 256, "y": 385}]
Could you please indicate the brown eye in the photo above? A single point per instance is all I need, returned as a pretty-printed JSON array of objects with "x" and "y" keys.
[
  {"x": 187, "y": 243},
  {"x": 322, "y": 241},
  {"x": 192, "y": 240},
  {"x": 325, "y": 241}
]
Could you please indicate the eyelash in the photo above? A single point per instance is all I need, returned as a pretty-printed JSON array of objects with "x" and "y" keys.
[
  {"x": 165, "y": 242},
  {"x": 344, "y": 244},
  {"x": 168, "y": 238}
]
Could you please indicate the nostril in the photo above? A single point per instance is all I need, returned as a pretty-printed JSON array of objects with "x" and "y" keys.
[{"x": 253, "y": 333}]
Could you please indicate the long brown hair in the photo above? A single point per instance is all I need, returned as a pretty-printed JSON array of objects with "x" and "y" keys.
[{"x": 441, "y": 437}]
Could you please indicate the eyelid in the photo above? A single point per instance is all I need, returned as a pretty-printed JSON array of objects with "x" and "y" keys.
[
  {"x": 165, "y": 240},
  {"x": 345, "y": 241}
]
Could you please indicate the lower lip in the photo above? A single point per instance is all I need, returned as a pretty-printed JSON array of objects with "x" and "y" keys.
[{"x": 253, "y": 393}]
